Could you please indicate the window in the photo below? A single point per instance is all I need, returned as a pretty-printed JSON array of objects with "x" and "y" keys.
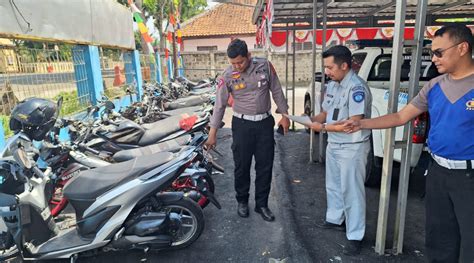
[
  {"x": 206, "y": 48},
  {"x": 382, "y": 68},
  {"x": 357, "y": 60},
  {"x": 302, "y": 46},
  {"x": 10, "y": 60}
]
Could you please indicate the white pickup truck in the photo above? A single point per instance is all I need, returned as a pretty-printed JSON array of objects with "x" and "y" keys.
[{"x": 373, "y": 65}]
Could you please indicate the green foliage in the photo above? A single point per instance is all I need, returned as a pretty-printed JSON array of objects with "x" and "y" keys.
[
  {"x": 6, "y": 127},
  {"x": 138, "y": 40},
  {"x": 190, "y": 8},
  {"x": 70, "y": 103}
]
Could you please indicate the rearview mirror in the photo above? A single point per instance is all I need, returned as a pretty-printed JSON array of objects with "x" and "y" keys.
[
  {"x": 318, "y": 76},
  {"x": 59, "y": 105},
  {"x": 109, "y": 105},
  {"x": 21, "y": 158}
]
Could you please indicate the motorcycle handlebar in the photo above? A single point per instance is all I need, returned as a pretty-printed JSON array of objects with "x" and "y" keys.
[
  {"x": 37, "y": 171},
  {"x": 84, "y": 147}
]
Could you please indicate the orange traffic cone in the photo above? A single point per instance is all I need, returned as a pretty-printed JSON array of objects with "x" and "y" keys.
[{"x": 119, "y": 79}]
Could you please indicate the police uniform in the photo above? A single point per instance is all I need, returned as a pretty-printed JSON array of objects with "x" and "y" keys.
[
  {"x": 346, "y": 154},
  {"x": 450, "y": 178},
  {"x": 252, "y": 124}
]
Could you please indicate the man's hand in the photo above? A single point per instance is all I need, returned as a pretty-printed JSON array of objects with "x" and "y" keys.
[
  {"x": 351, "y": 126},
  {"x": 285, "y": 123},
  {"x": 211, "y": 140},
  {"x": 316, "y": 126}
]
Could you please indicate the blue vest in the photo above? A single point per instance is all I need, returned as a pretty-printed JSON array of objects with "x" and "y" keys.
[{"x": 452, "y": 125}]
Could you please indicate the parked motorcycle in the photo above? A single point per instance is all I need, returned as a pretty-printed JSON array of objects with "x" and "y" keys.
[{"x": 126, "y": 209}]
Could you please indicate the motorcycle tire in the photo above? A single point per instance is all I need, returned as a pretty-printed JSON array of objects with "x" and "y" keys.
[{"x": 195, "y": 218}]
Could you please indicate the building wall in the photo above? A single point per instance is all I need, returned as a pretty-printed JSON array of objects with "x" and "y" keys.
[
  {"x": 199, "y": 65},
  {"x": 8, "y": 62},
  {"x": 220, "y": 42}
]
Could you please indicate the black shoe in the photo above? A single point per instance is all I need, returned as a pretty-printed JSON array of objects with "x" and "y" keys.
[
  {"x": 352, "y": 248},
  {"x": 243, "y": 210},
  {"x": 266, "y": 214},
  {"x": 327, "y": 225}
]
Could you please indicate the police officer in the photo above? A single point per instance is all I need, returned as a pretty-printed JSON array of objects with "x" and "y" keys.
[
  {"x": 250, "y": 81},
  {"x": 346, "y": 97},
  {"x": 449, "y": 100}
]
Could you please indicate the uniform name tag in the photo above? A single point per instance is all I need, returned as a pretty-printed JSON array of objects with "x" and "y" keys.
[{"x": 335, "y": 114}]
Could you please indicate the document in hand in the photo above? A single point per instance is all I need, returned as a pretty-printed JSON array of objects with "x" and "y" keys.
[{"x": 305, "y": 120}]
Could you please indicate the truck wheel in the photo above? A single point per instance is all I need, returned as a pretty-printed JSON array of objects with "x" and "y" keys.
[
  {"x": 307, "y": 111},
  {"x": 373, "y": 175}
]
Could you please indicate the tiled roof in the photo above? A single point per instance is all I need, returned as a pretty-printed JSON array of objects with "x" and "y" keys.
[{"x": 223, "y": 19}]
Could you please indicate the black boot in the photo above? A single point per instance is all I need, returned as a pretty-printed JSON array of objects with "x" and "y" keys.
[
  {"x": 243, "y": 210},
  {"x": 266, "y": 214}
]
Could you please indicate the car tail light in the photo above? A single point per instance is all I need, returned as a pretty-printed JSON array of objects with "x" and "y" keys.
[{"x": 420, "y": 127}]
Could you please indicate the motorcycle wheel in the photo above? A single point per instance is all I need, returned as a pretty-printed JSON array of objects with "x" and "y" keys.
[{"x": 192, "y": 219}]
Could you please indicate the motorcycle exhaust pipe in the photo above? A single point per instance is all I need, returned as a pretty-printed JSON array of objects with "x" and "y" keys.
[
  {"x": 193, "y": 195},
  {"x": 217, "y": 167}
]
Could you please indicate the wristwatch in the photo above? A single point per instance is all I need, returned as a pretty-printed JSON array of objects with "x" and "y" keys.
[{"x": 323, "y": 128}]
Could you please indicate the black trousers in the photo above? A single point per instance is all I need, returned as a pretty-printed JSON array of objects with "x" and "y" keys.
[
  {"x": 449, "y": 214},
  {"x": 253, "y": 139}
]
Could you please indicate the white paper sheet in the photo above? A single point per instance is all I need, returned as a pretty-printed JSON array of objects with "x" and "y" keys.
[{"x": 305, "y": 120}]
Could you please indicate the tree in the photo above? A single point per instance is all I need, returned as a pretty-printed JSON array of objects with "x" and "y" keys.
[{"x": 159, "y": 10}]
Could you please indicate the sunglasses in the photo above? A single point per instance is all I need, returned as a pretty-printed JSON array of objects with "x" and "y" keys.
[{"x": 439, "y": 52}]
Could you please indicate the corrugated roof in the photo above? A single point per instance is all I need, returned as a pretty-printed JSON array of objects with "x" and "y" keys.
[
  {"x": 223, "y": 19},
  {"x": 365, "y": 13}
]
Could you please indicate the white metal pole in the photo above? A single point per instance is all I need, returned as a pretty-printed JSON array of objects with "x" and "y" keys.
[
  {"x": 323, "y": 80},
  {"x": 408, "y": 130},
  {"x": 313, "y": 82},
  {"x": 390, "y": 133}
]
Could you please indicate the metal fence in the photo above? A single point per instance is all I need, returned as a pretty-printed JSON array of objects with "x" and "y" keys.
[
  {"x": 112, "y": 65},
  {"x": 45, "y": 73},
  {"x": 149, "y": 67}
]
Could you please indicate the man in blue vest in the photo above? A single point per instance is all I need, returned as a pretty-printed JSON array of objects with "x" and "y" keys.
[{"x": 449, "y": 100}]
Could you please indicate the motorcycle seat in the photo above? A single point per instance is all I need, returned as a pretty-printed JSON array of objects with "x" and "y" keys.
[
  {"x": 90, "y": 184},
  {"x": 187, "y": 102},
  {"x": 168, "y": 146},
  {"x": 158, "y": 130},
  {"x": 187, "y": 110},
  {"x": 201, "y": 91},
  {"x": 201, "y": 86}
]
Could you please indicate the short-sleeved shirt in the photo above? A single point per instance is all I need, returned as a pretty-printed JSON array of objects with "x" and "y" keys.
[
  {"x": 250, "y": 90},
  {"x": 343, "y": 100},
  {"x": 450, "y": 104}
]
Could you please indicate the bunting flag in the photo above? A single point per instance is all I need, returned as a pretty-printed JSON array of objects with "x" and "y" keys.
[
  {"x": 278, "y": 38},
  {"x": 409, "y": 33},
  {"x": 172, "y": 20},
  {"x": 431, "y": 30},
  {"x": 319, "y": 36},
  {"x": 141, "y": 24},
  {"x": 179, "y": 35},
  {"x": 301, "y": 35},
  {"x": 386, "y": 32},
  {"x": 366, "y": 33},
  {"x": 344, "y": 34}
]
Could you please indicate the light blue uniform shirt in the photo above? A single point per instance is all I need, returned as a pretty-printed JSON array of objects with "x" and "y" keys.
[{"x": 343, "y": 100}]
